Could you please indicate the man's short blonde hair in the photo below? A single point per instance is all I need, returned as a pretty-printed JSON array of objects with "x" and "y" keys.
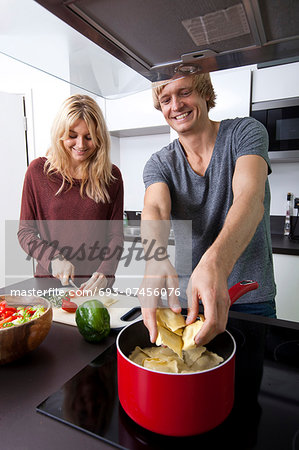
[{"x": 201, "y": 83}]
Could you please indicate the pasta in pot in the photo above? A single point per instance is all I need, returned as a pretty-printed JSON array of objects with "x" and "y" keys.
[{"x": 176, "y": 351}]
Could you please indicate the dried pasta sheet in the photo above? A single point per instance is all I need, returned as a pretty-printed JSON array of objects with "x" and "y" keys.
[
  {"x": 163, "y": 359},
  {"x": 192, "y": 355},
  {"x": 138, "y": 356},
  {"x": 166, "y": 354},
  {"x": 171, "y": 340},
  {"x": 206, "y": 361},
  {"x": 170, "y": 320},
  {"x": 176, "y": 351},
  {"x": 189, "y": 333},
  {"x": 160, "y": 365}
]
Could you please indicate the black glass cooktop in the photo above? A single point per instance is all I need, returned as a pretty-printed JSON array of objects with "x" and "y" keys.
[{"x": 265, "y": 413}]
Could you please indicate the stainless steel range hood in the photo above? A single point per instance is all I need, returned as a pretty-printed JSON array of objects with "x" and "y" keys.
[{"x": 155, "y": 37}]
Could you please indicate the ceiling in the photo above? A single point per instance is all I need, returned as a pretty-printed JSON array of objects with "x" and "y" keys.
[{"x": 159, "y": 37}]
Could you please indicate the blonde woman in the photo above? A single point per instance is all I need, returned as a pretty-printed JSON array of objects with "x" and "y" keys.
[{"x": 72, "y": 202}]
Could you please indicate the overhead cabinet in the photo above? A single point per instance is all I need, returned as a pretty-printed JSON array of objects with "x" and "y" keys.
[
  {"x": 277, "y": 82},
  {"x": 134, "y": 112}
]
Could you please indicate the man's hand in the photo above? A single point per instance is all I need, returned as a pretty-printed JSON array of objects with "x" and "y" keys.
[
  {"x": 158, "y": 276},
  {"x": 210, "y": 285},
  {"x": 62, "y": 269},
  {"x": 96, "y": 282}
]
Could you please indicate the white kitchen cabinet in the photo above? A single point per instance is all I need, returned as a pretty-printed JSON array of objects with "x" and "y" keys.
[
  {"x": 133, "y": 111},
  {"x": 272, "y": 83},
  {"x": 232, "y": 88},
  {"x": 286, "y": 269}
]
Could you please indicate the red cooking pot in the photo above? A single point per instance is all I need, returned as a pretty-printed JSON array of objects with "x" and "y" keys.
[{"x": 177, "y": 404}]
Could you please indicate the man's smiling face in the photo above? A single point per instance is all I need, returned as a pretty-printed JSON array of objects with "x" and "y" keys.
[{"x": 183, "y": 108}]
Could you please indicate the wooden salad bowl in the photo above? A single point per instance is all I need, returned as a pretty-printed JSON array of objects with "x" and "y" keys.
[{"x": 18, "y": 340}]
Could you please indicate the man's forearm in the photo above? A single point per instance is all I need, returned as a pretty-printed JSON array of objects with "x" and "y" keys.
[
  {"x": 155, "y": 228},
  {"x": 238, "y": 230}
]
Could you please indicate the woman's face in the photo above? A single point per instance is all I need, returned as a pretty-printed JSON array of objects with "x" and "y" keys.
[{"x": 79, "y": 143}]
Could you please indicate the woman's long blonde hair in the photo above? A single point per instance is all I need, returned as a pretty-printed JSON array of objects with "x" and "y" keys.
[{"x": 97, "y": 169}]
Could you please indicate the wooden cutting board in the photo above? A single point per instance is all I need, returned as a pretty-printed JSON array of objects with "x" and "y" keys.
[{"x": 120, "y": 311}]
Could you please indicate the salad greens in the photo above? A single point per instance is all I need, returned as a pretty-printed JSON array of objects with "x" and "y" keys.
[{"x": 11, "y": 316}]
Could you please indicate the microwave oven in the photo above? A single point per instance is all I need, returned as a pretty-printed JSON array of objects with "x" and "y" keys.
[{"x": 281, "y": 119}]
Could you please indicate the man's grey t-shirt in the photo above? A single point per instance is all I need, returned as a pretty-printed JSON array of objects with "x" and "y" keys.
[{"x": 205, "y": 200}]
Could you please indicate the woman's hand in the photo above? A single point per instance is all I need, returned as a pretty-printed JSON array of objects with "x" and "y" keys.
[
  {"x": 96, "y": 282},
  {"x": 62, "y": 269}
]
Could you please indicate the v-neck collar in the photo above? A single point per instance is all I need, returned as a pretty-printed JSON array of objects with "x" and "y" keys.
[{"x": 212, "y": 156}]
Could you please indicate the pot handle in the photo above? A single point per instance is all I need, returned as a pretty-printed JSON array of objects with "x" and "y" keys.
[{"x": 239, "y": 289}]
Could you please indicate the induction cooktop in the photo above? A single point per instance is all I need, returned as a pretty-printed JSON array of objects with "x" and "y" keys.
[{"x": 265, "y": 413}]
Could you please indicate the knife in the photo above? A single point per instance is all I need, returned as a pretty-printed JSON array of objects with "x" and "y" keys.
[{"x": 73, "y": 284}]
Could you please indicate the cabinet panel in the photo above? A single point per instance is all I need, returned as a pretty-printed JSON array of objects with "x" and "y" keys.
[
  {"x": 286, "y": 268},
  {"x": 232, "y": 88},
  {"x": 273, "y": 83},
  {"x": 133, "y": 111}
]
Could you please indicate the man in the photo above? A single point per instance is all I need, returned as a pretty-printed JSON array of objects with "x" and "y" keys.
[{"x": 214, "y": 174}]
